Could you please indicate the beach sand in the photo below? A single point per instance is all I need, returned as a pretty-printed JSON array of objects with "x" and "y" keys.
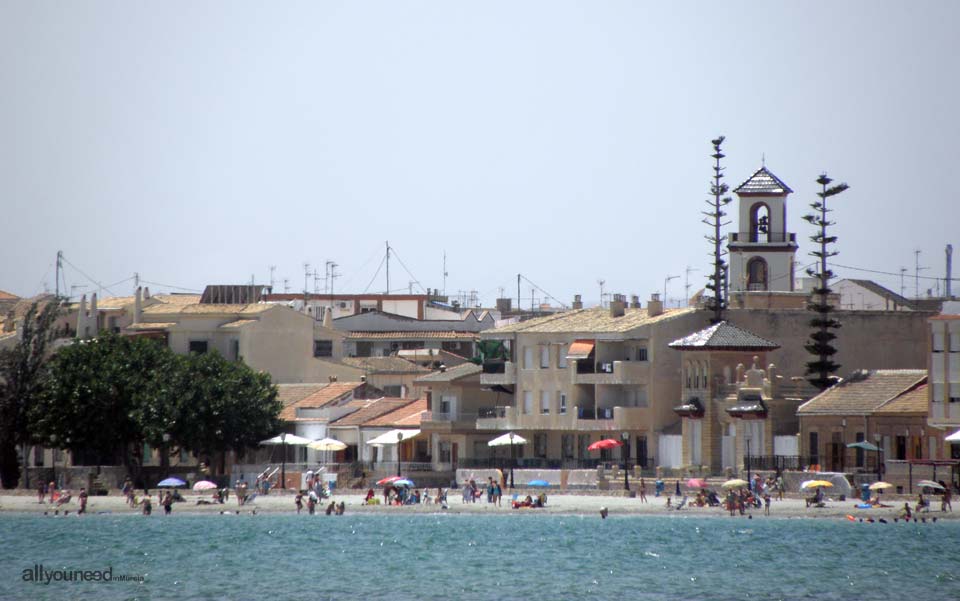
[{"x": 570, "y": 503}]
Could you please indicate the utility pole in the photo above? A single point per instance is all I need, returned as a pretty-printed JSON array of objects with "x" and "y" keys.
[
  {"x": 903, "y": 289},
  {"x": 601, "y": 282},
  {"x": 388, "y": 266},
  {"x": 445, "y": 274},
  {"x": 57, "y": 275},
  {"x": 518, "y": 292},
  {"x": 273, "y": 270}
]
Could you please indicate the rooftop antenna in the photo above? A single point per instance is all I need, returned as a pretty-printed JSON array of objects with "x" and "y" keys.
[
  {"x": 686, "y": 283},
  {"x": 903, "y": 289},
  {"x": 74, "y": 288},
  {"x": 273, "y": 270},
  {"x": 333, "y": 275},
  {"x": 388, "y": 266},
  {"x": 306, "y": 275},
  {"x": 58, "y": 274},
  {"x": 445, "y": 274},
  {"x": 916, "y": 273},
  {"x": 518, "y": 292},
  {"x": 665, "y": 281},
  {"x": 763, "y": 162},
  {"x": 286, "y": 285},
  {"x": 601, "y": 283}
]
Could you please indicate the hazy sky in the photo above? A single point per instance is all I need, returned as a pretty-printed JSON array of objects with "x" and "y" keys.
[{"x": 202, "y": 142}]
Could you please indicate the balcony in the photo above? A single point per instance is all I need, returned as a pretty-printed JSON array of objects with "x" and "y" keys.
[
  {"x": 757, "y": 238},
  {"x": 503, "y": 373},
  {"x": 450, "y": 421},
  {"x": 612, "y": 372},
  {"x": 577, "y": 419}
]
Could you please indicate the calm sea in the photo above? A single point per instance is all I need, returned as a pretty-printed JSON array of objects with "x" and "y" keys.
[{"x": 431, "y": 557}]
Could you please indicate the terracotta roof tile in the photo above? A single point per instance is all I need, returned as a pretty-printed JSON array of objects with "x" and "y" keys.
[
  {"x": 863, "y": 392},
  {"x": 150, "y": 325},
  {"x": 408, "y": 415},
  {"x": 594, "y": 321},
  {"x": 177, "y": 299},
  {"x": 372, "y": 410},
  {"x": 911, "y": 401},
  {"x": 5, "y": 296},
  {"x": 723, "y": 336},
  {"x": 385, "y": 365},
  {"x": 237, "y": 324},
  {"x": 452, "y": 373},
  {"x": 412, "y": 335},
  {"x": 326, "y": 395}
]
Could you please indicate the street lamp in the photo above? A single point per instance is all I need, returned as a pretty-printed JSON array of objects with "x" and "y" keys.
[
  {"x": 513, "y": 459},
  {"x": 876, "y": 438},
  {"x": 165, "y": 454},
  {"x": 624, "y": 450},
  {"x": 399, "y": 440}
]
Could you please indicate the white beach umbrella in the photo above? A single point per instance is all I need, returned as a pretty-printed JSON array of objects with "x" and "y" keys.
[
  {"x": 287, "y": 439},
  {"x": 506, "y": 440},
  {"x": 327, "y": 444}
]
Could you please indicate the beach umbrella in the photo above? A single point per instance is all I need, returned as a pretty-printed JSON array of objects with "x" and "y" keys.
[
  {"x": 929, "y": 484},
  {"x": 816, "y": 483},
  {"x": 327, "y": 444},
  {"x": 955, "y": 437},
  {"x": 880, "y": 486},
  {"x": 286, "y": 439},
  {"x": 204, "y": 485},
  {"x": 538, "y": 483},
  {"x": 505, "y": 440},
  {"x": 403, "y": 482},
  {"x": 605, "y": 445},
  {"x": 388, "y": 480},
  {"x": 735, "y": 483},
  {"x": 171, "y": 483},
  {"x": 866, "y": 446},
  {"x": 696, "y": 483}
]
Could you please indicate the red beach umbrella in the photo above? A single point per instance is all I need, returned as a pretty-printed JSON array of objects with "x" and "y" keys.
[
  {"x": 388, "y": 480},
  {"x": 696, "y": 483},
  {"x": 605, "y": 445}
]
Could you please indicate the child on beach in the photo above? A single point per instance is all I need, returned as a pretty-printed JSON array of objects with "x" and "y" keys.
[
  {"x": 298, "y": 501},
  {"x": 83, "y": 500},
  {"x": 147, "y": 505},
  {"x": 766, "y": 503},
  {"x": 41, "y": 492},
  {"x": 643, "y": 490},
  {"x": 167, "y": 503}
]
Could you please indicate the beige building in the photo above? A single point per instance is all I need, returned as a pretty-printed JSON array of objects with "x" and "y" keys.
[
  {"x": 944, "y": 367},
  {"x": 396, "y": 377}
]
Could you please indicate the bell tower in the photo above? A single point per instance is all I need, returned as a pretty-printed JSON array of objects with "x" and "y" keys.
[{"x": 762, "y": 252}]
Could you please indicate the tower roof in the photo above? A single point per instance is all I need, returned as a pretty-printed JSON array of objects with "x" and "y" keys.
[
  {"x": 723, "y": 337},
  {"x": 763, "y": 182}
]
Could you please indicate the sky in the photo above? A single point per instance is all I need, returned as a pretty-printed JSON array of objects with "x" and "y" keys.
[{"x": 203, "y": 142}]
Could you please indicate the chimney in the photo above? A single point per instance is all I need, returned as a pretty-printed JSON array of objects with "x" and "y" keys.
[
  {"x": 328, "y": 317},
  {"x": 137, "y": 305},
  {"x": 146, "y": 293},
  {"x": 949, "y": 292},
  {"x": 504, "y": 304},
  {"x": 333, "y": 379},
  {"x": 655, "y": 305},
  {"x": 363, "y": 379},
  {"x": 634, "y": 301},
  {"x": 617, "y": 305},
  {"x": 443, "y": 368},
  {"x": 577, "y": 302},
  {"x": 94, "y": 316},
  {"x": 82, "y": 317}
]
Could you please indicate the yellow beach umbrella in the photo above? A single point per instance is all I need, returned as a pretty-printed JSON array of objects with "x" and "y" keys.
[
  {"x": 735, "y": 483},
  {"x": 880, "y": 486},
  {"x": 817, "y": 483}
]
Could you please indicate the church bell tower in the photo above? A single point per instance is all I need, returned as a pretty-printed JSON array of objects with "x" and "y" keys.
[{"x": 762, "y": 252}]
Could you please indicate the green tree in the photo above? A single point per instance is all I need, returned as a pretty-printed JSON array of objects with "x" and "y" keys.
[
  {"x": 821, "y": 370},
  {"x": 21, "y": 376},
  {"x": 229, "y": 407},
  {"x": 714, "y": 218}
]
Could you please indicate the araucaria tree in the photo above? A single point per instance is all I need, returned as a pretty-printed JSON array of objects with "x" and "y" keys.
[
  {"x": 714, "y": 218},
  {"x": 820, "y": 371}
]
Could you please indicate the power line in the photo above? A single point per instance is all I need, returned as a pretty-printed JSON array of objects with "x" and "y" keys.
[
  {"x": 415, "y": 280},
  {"x": 171, "y": 286},
  {"x": 890, "y": 273},
  {"x": 80, "y": 271},
  {"x": 545, "y": 293},
  {"x": 384, "y": 258}
]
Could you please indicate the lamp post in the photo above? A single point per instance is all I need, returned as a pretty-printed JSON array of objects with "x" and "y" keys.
[
  {"x": 399, "y": 440},
  {"x": 165, "y": 454},
  {"x": 53, "y": 456},
  {"x": 876, "y": 438},
  {"x": 513, "y": 459},
  {"x": 283, "y": 460},
  {"x": 626, "y": 460}
]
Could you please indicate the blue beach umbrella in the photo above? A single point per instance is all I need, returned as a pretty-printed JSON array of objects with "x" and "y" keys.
[
  {"x": 171, "y": 483},
  {"x": 403, "y": 482},
  {"x": 538, "y": 483}
]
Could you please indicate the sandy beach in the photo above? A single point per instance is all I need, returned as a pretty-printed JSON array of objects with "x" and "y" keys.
[{"x": 571, "y": 503}]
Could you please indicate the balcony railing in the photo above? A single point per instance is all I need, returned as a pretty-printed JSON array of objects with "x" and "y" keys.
[
  {"x": 492, "y": 412},
  {"x": 758, "y": 238},
  {"x": 612, "y": 372},
  {"x": 779, "y": 462},
  {"x": 498, "y": 372}
]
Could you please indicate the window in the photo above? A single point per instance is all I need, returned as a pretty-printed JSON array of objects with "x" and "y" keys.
[
  {"x": 955, "y": 343},
  {"x": 563, "y": 403},
  {"x": 447, "y": 403},
  {"x": 544, "y": 402},
  {"x": 323, "y": 348},
  {"x": 937, "y": 342},
  {"x": 583, "y": 441},
  {"x": 641, "y": 353},
  {"x": 38, "y": 456},
  {"x": 540, "y": 445},
  {"x": 814, "y": 447},
  {"x": 393, "y": 390},
  {"x": 527, "y": 402},
  {"x": 901, "y": 448},
  {"x": 544, "y": 357},
  {"x": 566, "y": 446},
  {"x": 235, "y": 349},
  {"x": 444, "y": 450},
  {"x": 562, "y": 356},
  {"x": 528, "y": 357},
  {"x": 756, "y": 274},
  {"x": 859, "y": 455},
  {"x": 198, "y": 346}
]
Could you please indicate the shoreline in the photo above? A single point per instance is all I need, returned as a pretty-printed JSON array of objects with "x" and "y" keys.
[{"x": 558, "y": 503}]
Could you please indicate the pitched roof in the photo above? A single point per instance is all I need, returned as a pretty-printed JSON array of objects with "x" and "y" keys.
[
  {"x": 723, "y": 336},
  {"x": 6, "y": 296},
  {"x": 114, "y": 302},
  {"x": 150, "y": 325},
  {"x": 408, "y": 415},
  {"x": 413, "y": 335},
  {"x": 912, "y": 401},
  {"x": 237, "y": 324},
  {"x": 324, "y": 396},
  {"x": 882, "y": 292},
  {"x": 863, "y": 392},
  {"x": 207, "y": 309},
  {"x": 452, "y": 373},
  {"x": 763, "y": 182},
  {"x": 385, "y": 365},
  {"x": 594, "y": 321},
  {"x": 177, "y": 299},
  {"x": 372, "y": 410}
]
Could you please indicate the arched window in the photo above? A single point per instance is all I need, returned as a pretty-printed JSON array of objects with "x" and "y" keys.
[
  {"x": 760, "y": 223},
  {"x": 757, "y": 274}
]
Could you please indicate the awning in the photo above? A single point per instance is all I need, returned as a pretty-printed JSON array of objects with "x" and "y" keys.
[
  {"x": 392, "y": 437},
  {"x": 693, "y": 409},
  {"x": 955, "y": 437},
  {"x": 749, "y": 409},
  {"x": 580, "y": 349}
]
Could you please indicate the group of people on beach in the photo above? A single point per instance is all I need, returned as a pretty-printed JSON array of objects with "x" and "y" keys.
[{"x": 472, "y": 492}]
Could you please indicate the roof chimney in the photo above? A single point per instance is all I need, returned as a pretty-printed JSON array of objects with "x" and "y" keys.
[
  {"x": 655, "y": 305},
  {"x": 94, "y": 316},
  {"x": 618, "y": 305},
  {"x": 504, "y": 305},
  {"x": 146, "y": 293},
  {"x": 328, "y": 316},
  {"x": 333, "y": 379},
  {"x": 634, "y": 301},
  {"x": 577, "y": 302},
  {"x": 82, "y": 317},
  {"x": 443, "y": 368}
]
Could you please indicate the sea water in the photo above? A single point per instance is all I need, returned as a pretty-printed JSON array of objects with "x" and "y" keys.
[{"x": 465, "y": 557}]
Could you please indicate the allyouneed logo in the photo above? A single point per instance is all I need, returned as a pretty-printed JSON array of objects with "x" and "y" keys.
[{"x": 40, "y": 575}]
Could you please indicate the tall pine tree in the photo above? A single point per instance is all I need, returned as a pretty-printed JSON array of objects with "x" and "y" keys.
[
  {"x": 714, "y": 218},
  {"x": 820, "y": 371}
]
